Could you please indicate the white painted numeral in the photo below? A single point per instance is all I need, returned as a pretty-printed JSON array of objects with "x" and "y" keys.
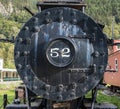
[
  {"x": 65, "y": 52},
  {"x": 56, "y": 52}
]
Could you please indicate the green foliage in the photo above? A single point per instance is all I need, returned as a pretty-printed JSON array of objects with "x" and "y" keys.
[
  {"x": 9, "y": 89},
  {"x": 20, "y": 17},
  {"x": 7, "y": 29},
  {"x": 102, "y": 98},
  {"x": 6, "y": 52},
  {"x": 105, "y": 12}
]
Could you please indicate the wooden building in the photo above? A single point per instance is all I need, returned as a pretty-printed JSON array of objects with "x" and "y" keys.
[
  {"x": 112, "y": 76},
  {"x": 7, "y": 74}
]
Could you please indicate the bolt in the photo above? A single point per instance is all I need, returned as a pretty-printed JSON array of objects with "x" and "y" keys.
[
  {"x": 101, "y": 67},
  {"x": 25, "y": 53},
  {"x": 95, "y": 28},
  {"x": 35, "y": 87},
  {"x": 26, "y": 28},
  {"x": 47, "y": 20},
  {"x": 94, "y": 68},
  {"x": 73, "y": 85},
  {"x": 28, "y": 40},
  {"x": 73, "y": 13},
  {"x": 28, "y": 68},
  {"x": 85, "y": 89},
  {"x": 47, "y": 13},
  {"x": 35, "y": 19},
  {"x": 17, "y": 54},
  {"x": 47, "y": 87},
  {"x": 36, "y": 29},
  {"x": 26, "y": 79},
  {"x": 19, "y": 66},
  {"x": 60, "y": 12},
  {"x": 72, "y": 94},
  {"x": 20, "y": 40},
  {"x": 46, "y": 95},
  {"x": 60, "y": 87},
  {"x": 96, "y": 54},
  {"x": 93, "y": 39},
  {"x": 59, "y": 97},
  {"x": 74, "y": 21},
  {"x": 103, "y": 53},
  {"x": 60, "y": 19}
]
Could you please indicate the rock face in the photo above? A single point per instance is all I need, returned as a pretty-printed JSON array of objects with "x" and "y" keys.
[
  {"x": 6, "y": 11},
  {"x": 3, "y": 11},
  {"x": 10, "y": 7}
]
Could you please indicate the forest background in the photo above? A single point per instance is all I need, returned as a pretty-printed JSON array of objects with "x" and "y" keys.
[{"x": 13, "y": 17}]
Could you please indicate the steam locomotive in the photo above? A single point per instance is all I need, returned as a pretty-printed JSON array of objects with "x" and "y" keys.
[{"x": 60, "y": 53}]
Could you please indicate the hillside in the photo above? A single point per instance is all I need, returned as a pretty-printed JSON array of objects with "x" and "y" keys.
[
  {"x": 106, "y": 12},
  {"x": 13, "y": 16}
]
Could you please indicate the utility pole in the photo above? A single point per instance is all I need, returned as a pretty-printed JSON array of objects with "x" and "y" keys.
[{"x": 113, "y": 21}]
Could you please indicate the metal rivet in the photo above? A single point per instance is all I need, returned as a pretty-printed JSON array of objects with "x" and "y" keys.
[
  {"x": 36, "y": 29},
  {"x": 59, "y": 97},
  {"x": 74, "y": 21},
  {"x": 47, "y": 13},
  {"x": 94, "y": 68},
  {"x": 95, "y": 77},
  {"x": 101, "y": 66},
  {"x": 20, "y": 40},
  {"x": 93, "y": 39},
  {"x": 19, "y": 66},
  {"x": 28, "y": 68},
  {"x": 47, "y": 20},
  {"x": 46, "y": 95},
  {"x": 60, "y": 87},
  {"x": 26, "y": 28},
  {"x": 73, "y": 13},
  {"x": 28, "y": 40},
  {"x": 95, "y": 28},
  {"x": 96, "y": 54},
  {"x": 35, "y": 87},
  {"x": 60, "y": 19},
  {"x": 73, "y": 85},
  {"x": 25, "y": 53},
  {"x": 60, "y": 12},
  {"x": 17, "y": 54},
  {"x": 47, "y": 87},
  {"x": 72, "y": 94},
  {"x": 26, "y": 78},
  {"x": 35, "y": 19},
  {"x": 85, "y": 89},
  {"x": 103, "y": 54}
]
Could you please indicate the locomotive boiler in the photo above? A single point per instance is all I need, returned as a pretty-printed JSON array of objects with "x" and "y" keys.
[{"x": 61, "y": 53}]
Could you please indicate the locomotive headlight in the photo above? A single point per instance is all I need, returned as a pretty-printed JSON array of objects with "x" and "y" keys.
[{"x": 60, "y": 52}]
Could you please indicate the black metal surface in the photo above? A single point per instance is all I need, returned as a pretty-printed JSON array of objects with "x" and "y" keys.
[
  {"x": 76, "y": 4},
  {"x": 5, "y": 101},
  {"x": 61, "y": 54}
]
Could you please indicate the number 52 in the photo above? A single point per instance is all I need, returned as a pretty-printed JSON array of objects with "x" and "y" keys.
[{"x": 56, "y": 52}]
